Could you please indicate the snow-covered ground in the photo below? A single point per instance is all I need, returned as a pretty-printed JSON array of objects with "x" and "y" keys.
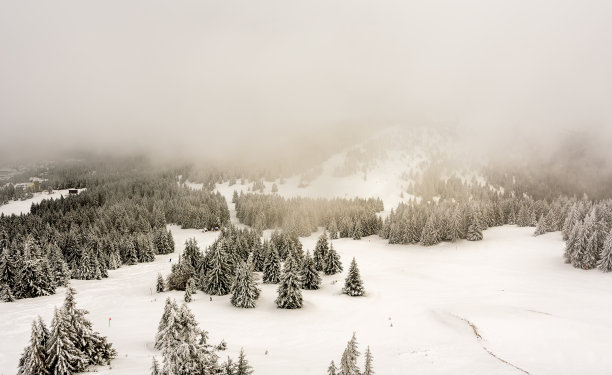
[
  {"x": 19, "y": 207},
  {"x": 534, "y": 314}
]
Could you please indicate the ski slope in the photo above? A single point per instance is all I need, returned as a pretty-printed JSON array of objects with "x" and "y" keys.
[{"x": 421, "y": 314}]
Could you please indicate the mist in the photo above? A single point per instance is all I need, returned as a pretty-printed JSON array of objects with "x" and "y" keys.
[{"x": 276, "y": 79}]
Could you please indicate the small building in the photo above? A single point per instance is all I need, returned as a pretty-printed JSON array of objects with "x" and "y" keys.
[{"x": 73, "y": 191}]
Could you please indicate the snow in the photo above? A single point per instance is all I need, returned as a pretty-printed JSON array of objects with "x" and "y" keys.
[
  {"x": 531, "y": 310},
  {"x": 23, "y": 206}
]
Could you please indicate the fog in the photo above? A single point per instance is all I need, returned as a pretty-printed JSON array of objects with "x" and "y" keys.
[{"x": 251, "y": 79}]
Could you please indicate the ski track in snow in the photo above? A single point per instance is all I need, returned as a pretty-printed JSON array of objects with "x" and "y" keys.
[{"x": 410, "y": 290}]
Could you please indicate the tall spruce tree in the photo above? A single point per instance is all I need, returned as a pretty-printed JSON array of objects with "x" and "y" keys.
[
  {"x": 289, "y": 293},
  {"x": 348, "y": 362},
  {"x": 63, "y": 356},
  {"x": 242, "y": 365},
  {"x": 218, "y": 280},
  {"x": 311, "y": 280},
  {"x": 368, "y": 369},
  {"x": 353, "y": 286},
  {"x": 272, "y": 267},
  {"x": 605, "y": 259},
  {"x": 160, "y": 285},
  {"x": 244, "y": 288},
  {"x": 35, "y": 361},
  {"x": 474, "y": 232},
  {"x": 320, "y": 251},
  {"x": 332, "y": 264}
]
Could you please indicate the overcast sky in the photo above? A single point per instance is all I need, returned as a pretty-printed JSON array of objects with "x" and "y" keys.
[{"x": 208, "y": 77}]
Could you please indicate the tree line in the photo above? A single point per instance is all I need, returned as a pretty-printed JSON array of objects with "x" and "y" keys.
[{"x": 301, "y": 216}]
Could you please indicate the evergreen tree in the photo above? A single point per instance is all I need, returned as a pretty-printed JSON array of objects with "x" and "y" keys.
[
  {"x": 605, "y": 260},
  {"x": 320, "y": 251},
  {"x": 353, "y": 286},
  {"x": 259, "y": 256},
  {"x": 357, "y": 231},
  {"x": 311, "y": 280},
  {"x": 541, "y": 227},
  {"x": 474, "y": 232},
  {"x": 8, "y": 273},
  {"x": 160, "y": 286},
  {"x": 331, "y": 370},
  {"x": 242, "y": 366},
  {"x": 218, "y": 277},
  {"x": 368, "y": 370},
  {"x": 5, "y": 293},
  {"x": 170, "y": 309},
  {"x": 155, "y": 367},
  {"x": 244, "y": 288},
  {"x": 455, "y": 226},
  {"x": 272, "y": 267},
  {"x": 333, "y": 229},
  {"x": 63, "y": 357},
  {"x": 348, "y": 362},
  {"x": 430, "y": 235},
  {"x": 332, "y": 264},
  {"x": 289, "y": 293},
  {"x": 35, "y": 360},
  {"x": 591, "y": 254}
]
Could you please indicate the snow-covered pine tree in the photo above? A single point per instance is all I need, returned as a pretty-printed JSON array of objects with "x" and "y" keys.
[
  {"x": 320, "y": 251},
  {"x": 63, "y": 358},
  {"x": 289, "y": 293},
  {"x": 368, "y": 369},
  {"x": 244, "y": 288},
  {"x": 242, "y": 365},
  {"x": 218, "y": 280},
  {"x": 474, "y": 232},
  {"x": 591, "y": 253},
  {"x": 353, "y": 286},
  {"x": 9, "y": 274},
  {"x": 333, "y": 229},
  {"x": 259, "y": 256},
  {"x": 311, "y": 280},
  {"x": 170, "y": 309},
  {"x": 160, "y": 285},
  {"x": 94, "y": 348},
  {"x": 357, "y": 231},
  {"x": 571, "y": 243},
  {"x": 35, "y": 361},
  {"x": 332, "y": 264},
  {"x": 188, "y": 292},
  {"x": 272, "y": 267},
  {"x": 541, "y": 227},
  {"x": 580, "y": 246},
  {"x": 155, "y": 367},
  {"x": 331, "y": 370},
  {"x": 605, "y": 259},
  {"x": 348, "y": 362},
  {"x": 455, "y": 226},
  {"x": 429, "y": 235}
]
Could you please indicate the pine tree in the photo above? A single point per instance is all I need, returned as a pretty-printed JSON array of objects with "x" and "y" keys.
[
  {"x": 311, "y": 280},
  {"x": 242, "y": 366},
  {"x": 218, "y": 277},
  {"x": 155, "y": 367},
  {"x": 357, "y": 231},
  {"x": 591, "y": 254},
  {"x": 474, "y": 230},
  {"x": 333, "y": 229},
  {"x": 35, "y": 360},
  {"x": 368, "y": 370},
  {"x": 540, "y": 227},
  {"x": 348, "y": 362},
  {"x": 605, "y": 259},
  {"x": 8, "y": 273},
  {"x": 5, "y": 293},
  {"x": 160, "y": 286},
  {"x": 63, "y": 357},
  {"x": 289, "y": 293},
  {"x": 188, "y": 294},
  {"x": 331, "y": 370},
  {"x": 244, "y": 288},
  {"x": 272, "y": 268},
  {"x": 353, "y": 286},
  {"x": 430, "y": 235},
  {"x": 259, "y": 257},
  {"x": 320, "y": 251},
  {"x": 170, "y": 309},
  {"x": 332, "y": 264},
  {"x": 455, "y": 226}
]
